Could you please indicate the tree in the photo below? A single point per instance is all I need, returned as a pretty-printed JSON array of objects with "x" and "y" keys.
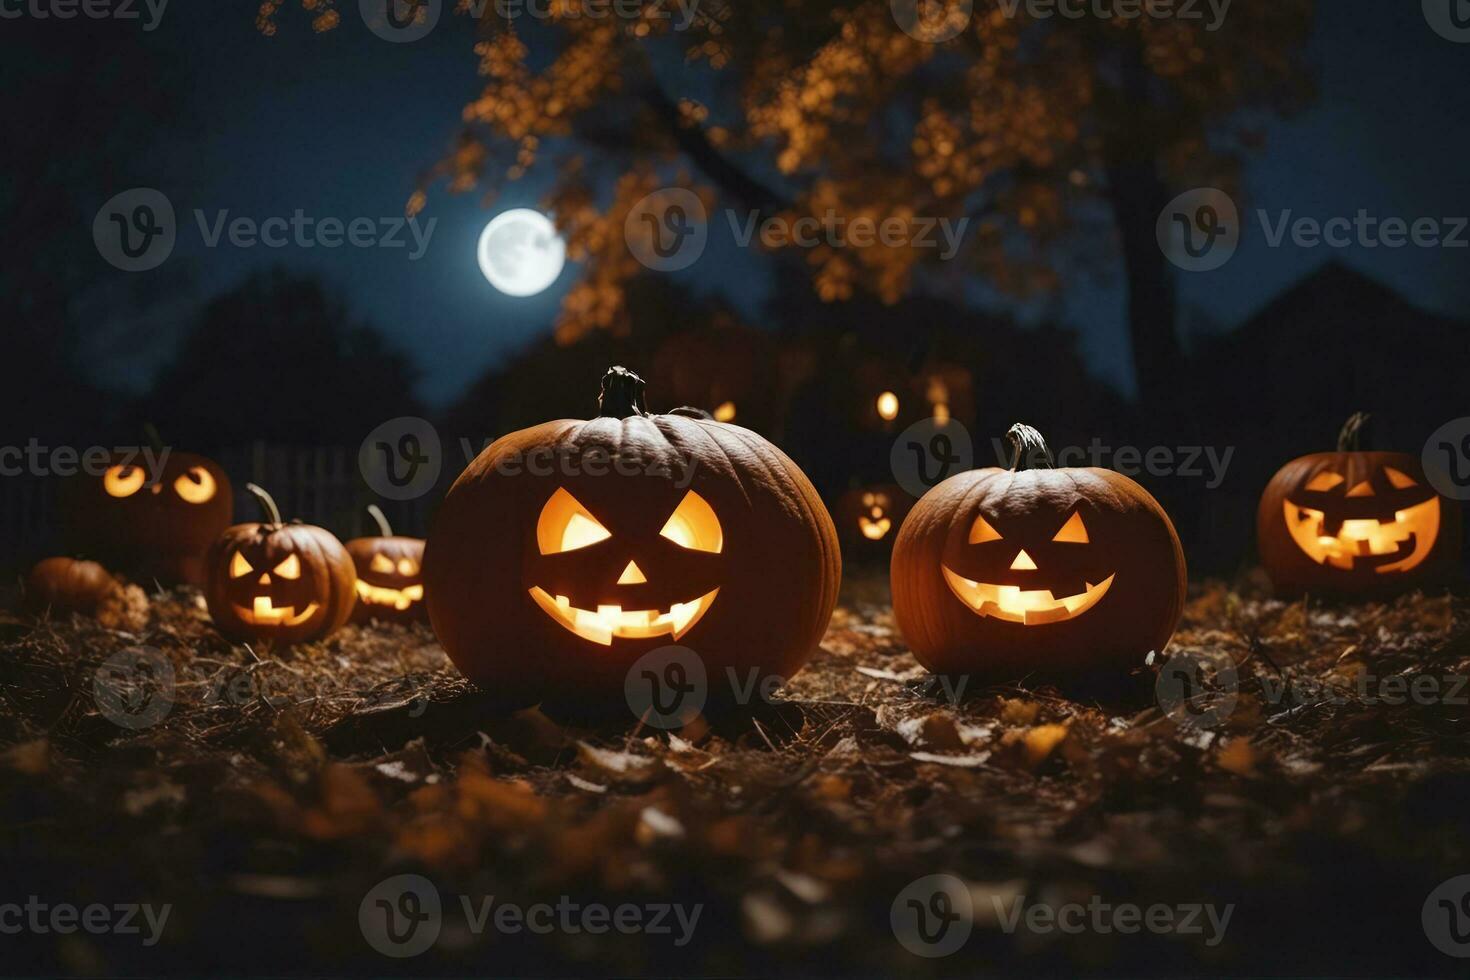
[
  {"x": 1062, "y": 138},
  {"x": 279, "y": 359}
]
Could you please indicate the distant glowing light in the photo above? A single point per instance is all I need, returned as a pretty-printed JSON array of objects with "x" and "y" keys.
[
  {"x": 888, "y": 406},
  {"x": 725, "y": 412},
  {"x": 520, "y": 252}
]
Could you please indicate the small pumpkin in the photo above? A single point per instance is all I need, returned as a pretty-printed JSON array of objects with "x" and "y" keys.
[
  {"x": 390, "y": 582},
  {"x": 57, "y": 586},
  {"x": 546, "y": 579},
  {"x": 153, "y": 525},
  {"x": 68, "y": 585},
  {"x": 868, "y": 518},
  {"x": 290, "y": 583},
  {"x": 1355, "y": 522},
  {"x": 1037, "y": 571}
]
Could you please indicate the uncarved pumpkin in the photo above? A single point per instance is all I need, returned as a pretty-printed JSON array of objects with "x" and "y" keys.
[
  {"x": 1355, "y": 522},
  {"x": 566, "y": 551},
  {"x": 1036, "y": 571},
  {"x": 390, "y": 579},
  {"x": 288, "y": 583},
  {"x": 65, "y": 585}
]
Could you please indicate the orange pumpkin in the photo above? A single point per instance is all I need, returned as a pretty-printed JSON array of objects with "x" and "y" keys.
[
  {"x": 65, "y": 585},
  {"x": 1037, "y": 571},
  {"x": 289, "y": 583},
  {"x": 153, "y": 525},
  {"x": 1355, "y": 522},
  {"x": 568, "y": 550},
  {"x": 390, "y": 581}
]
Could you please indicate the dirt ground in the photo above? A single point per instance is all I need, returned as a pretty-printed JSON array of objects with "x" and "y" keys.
[{"x": 282, "y": 788}]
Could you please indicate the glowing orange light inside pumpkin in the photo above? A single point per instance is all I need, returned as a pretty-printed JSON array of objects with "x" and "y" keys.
[
  {"x": 725, "y": 412},
  {"x": 123, "y": 481}
]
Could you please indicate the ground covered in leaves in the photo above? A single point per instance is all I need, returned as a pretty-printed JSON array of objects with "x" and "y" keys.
[{"x": 282, "y": 786}]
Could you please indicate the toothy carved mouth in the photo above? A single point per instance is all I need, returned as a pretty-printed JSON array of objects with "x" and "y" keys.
[
  {"x": 266, "y": 614},
  {"x": 874, "y": 530},
  {"x": 400, "y": 599},
  {"x": 600, "y": 625},
  {"x": 1417, "y": 526},
  {"x": 1033, "y": 607}
]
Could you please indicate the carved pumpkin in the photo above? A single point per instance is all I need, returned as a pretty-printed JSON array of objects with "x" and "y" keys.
[
  {"x": 868, "y": 519},
  {"x": 290, "y": 583},
  {"x": 152, "y": 528},
  {"x": 552, "y": 578},
  {"x": 390, "y": 583},
  {"x": 1037, "y": 571},
  {"x": 1354, "y": 522}
]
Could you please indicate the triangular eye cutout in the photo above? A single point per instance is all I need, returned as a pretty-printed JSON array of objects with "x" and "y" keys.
[
  {"x": 1324, "y": 481},
  {"x": 1364, "y": 489},
  {"x": 693, "y": 525},
  {"x": 565, "y": 525},
  {"x": 239, "y": 566},
  {"x": 1399, "y": 479},
  {"x": 981, "y": 531},
  {"x": 1074, "y": 531}
]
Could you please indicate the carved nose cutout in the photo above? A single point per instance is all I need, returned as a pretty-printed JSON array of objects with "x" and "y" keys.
[
  {"x": 1023, "y": 563},
  {"x": 632, "y": 575}
]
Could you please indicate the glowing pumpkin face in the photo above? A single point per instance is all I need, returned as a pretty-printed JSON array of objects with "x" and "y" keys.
[
  {"x": 1354, "y": 522},
  {"x": 1037, "y": 572},
  {"x": 290, "y": 583},
  {"x": 869, "y": 518},
  {"x": 587, "y": 567},
  {"x": 659, "y": 529},
  {"x": 390, "y": 583},
  {"x": 153, "y": 525}
]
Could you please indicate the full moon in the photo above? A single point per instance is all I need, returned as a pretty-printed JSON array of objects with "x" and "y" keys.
[{"x": 520, "y": 252}]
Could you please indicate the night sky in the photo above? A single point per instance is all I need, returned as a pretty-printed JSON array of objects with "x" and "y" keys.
[{"x": 340, "y": 124}]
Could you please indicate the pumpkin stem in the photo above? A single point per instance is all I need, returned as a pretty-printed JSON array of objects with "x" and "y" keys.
[
  {"x": 267, "y": 503},
  {"x": 1028, "y": 450},
  {"x": 1354, "y": 433},
  {"x": 622, "y": 395},
  {"x": 155, "y": 441},
  {"x": 376, "y": 513}
]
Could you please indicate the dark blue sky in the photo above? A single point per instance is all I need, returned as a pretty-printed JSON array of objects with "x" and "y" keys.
[{"x": 340, "y": 124}]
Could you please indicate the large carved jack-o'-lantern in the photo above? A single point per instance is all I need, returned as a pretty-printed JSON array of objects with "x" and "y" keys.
[
  {"x": 568, "y": 550},
  {"x": 390, "y": 583},
  {"x": 1355, "y": 522},
  {"x": 289, "y": 583},
  {"x": 151, "y": 524},
  {"x": 1036, "y": 572}
]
